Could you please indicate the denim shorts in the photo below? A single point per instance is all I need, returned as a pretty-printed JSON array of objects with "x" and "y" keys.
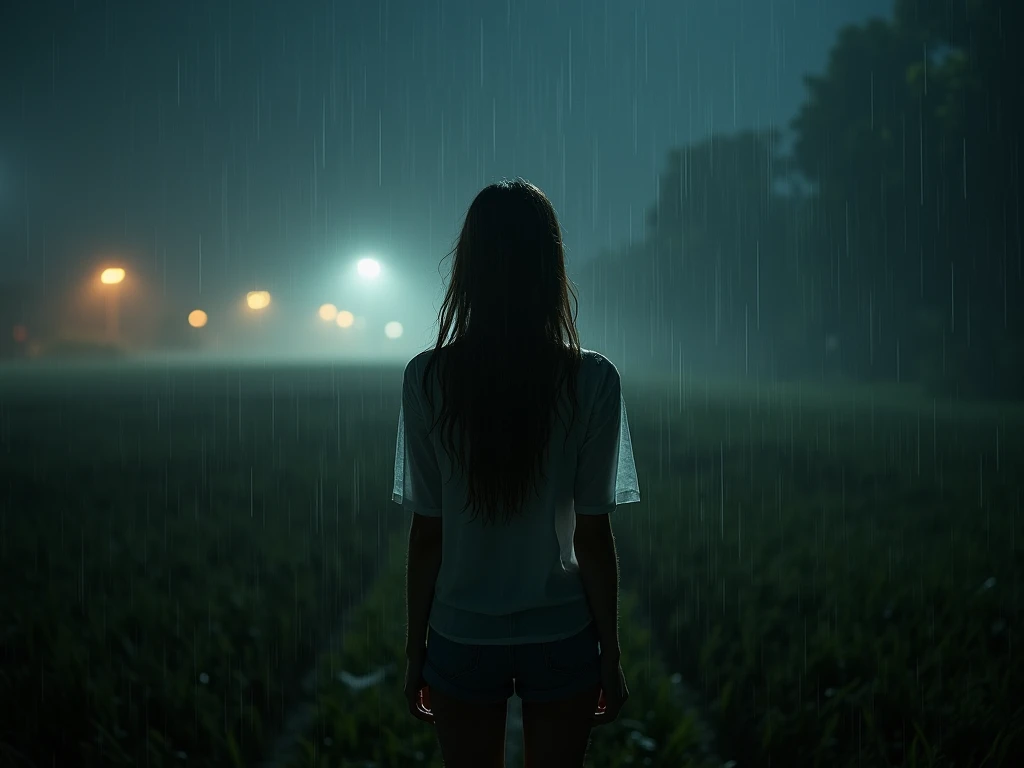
[{"x": 533, "y": 671}]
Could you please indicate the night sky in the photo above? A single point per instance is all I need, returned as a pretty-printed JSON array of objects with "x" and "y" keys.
[{"x": 215, "y": 147}]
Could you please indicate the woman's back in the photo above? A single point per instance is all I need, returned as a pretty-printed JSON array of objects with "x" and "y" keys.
[{"x": 518, "y": 582}]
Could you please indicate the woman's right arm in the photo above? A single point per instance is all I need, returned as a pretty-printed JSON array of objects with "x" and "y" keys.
[{"x": 599, "y": 569}]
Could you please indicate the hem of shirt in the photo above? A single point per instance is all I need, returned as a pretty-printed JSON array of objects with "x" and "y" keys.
[
  {"x": 514, "y": 640},
  {"x": 542, "y": 624},
  {"x": 625, "y": 497},
  {"x": 415, "y": 508}
]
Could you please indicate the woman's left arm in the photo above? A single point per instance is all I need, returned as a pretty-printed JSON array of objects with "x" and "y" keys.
[{"x": 424, "y": 564}]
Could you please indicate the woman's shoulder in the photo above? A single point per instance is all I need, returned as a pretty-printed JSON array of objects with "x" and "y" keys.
[
  {"x": 415, "y": 368},
  {"x": 421, "y": 359},
  {"x": 597, "y": 362}
]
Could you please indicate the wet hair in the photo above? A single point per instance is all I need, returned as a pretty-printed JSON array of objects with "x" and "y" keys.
[{"x": 507, "y": 347}]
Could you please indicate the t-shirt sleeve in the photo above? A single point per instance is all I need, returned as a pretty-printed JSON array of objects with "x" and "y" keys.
[
  {"x": 605, "y": 470},
  {"x": 417, "y": 474}
]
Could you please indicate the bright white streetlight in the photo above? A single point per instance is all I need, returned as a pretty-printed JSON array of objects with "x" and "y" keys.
[
  {"x": 393, "y": 329},
  {"x": 368, "y": 268}
]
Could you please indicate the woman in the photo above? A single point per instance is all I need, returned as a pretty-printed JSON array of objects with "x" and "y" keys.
[{"x": 513, "y": 450}]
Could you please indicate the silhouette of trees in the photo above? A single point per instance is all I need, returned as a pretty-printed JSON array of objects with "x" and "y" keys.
[
  {"x": 885, "y": 246},
  {"x": 911, "y": 139}
]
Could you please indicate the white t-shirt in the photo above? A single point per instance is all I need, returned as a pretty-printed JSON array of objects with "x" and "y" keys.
[{"x": 520, "y": 582}]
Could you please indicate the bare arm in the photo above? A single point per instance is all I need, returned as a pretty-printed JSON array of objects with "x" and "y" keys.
[
  {"x": 424, "y": 565},
  {"x": 599, "y": 569}
]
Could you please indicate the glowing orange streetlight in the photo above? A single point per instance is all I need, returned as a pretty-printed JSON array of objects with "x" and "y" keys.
[
  {"x": 197, "y": 318},
  {"x": 345, "y": 319},
  {"x": 113, "y": 276},
  {"x": 328, "y": 312}
]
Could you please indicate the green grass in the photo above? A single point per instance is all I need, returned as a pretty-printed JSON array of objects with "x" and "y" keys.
[
  {"x": 836, "y": 397},
  {"x": 173, "y": 553},
  {"x": 843, "y": 584},
  {"x": 372, "y": 726},
  {"x": 837, "y": 572}
]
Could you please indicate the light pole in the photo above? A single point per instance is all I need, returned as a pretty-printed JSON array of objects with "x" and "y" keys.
[{"x": 112, "y": 278}]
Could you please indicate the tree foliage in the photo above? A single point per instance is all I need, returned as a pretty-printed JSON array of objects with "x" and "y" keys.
[
  {"x": 911, "y": 137},
  {"x": 886, "y": 246},
  {"x": 716, "y": 281}
]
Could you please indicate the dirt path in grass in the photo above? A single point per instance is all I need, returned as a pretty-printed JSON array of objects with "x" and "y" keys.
[
  {"x": 282, "y": 751},
  {"x": 303, "y": 710},
  {"x": 302, "y": 719}
]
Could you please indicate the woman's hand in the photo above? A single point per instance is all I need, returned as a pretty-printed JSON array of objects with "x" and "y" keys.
[
  {"x": 614, "y": 692},
  {"x": 416, "y": 691}
]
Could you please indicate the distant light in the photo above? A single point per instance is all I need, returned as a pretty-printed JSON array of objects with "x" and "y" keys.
[
  {"x": 345, "y": 319},
  {"x": 328, "y": 312},
  {"x": 20, "y": 334},
  {"x": 368, "y": 268},
  {"x": 393, "y": 329},
  {"x": 258, "y": 299},
  {"x": 197, "y": 318},
  {"x": 112, "y": 276}
]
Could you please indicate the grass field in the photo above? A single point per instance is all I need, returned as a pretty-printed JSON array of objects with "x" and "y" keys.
[
  {"x": 838, "y": 571},
  {"x": 175, "y": 549},
  {"x": 825, "y": 576}
]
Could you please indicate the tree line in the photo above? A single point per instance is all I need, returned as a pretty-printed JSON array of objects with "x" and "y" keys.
[{"x": 883, "y": 244}]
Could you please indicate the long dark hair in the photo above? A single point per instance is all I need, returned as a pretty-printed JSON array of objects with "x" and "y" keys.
[{"x": 507, "y": 346}]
